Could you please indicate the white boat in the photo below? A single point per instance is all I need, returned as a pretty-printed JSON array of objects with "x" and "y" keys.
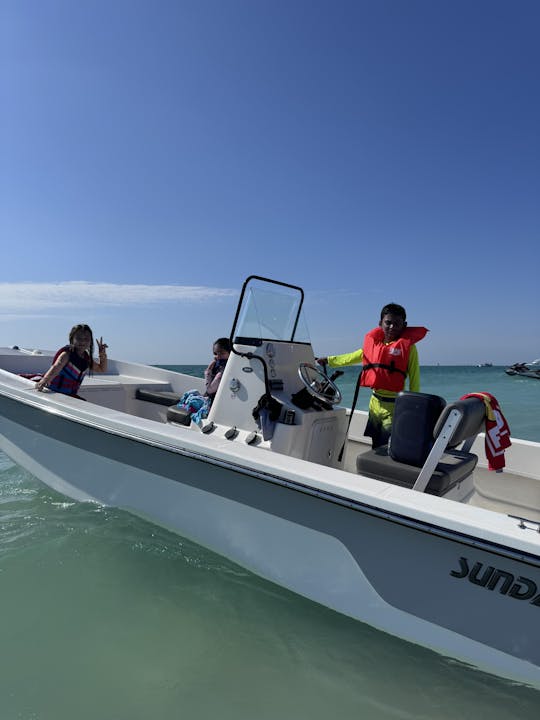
[{"x": 427, "y": 545}]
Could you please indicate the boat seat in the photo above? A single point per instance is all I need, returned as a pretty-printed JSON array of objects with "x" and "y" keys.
[
  {"x": 423, "y": 452},
  {"x": 178, "y": 415},
  {"x": 170, "y": 399},
  {"x": 160, "y": 397}
]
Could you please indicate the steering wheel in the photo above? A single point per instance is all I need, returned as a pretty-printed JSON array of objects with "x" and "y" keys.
[{"x": 318, "y": 385}]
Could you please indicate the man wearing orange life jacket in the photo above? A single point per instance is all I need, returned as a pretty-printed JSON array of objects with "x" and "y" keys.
[{"x": 388, "y": 357}]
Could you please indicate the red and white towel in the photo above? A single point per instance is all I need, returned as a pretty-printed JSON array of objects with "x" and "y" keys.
[{"x": 497, "y": 431}]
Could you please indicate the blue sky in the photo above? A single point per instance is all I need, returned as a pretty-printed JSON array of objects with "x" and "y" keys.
[{"x": 154, "y": 154}]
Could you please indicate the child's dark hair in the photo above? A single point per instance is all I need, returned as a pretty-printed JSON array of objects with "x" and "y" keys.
[
  {"x": 223, "y": 344},
  {"x": 82, "y": 327},
  {"x": 394, "y": 309}
]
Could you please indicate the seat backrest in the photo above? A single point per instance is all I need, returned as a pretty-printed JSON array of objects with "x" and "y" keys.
[
  {"x": 415, "y": 417},
  {"x": 472, "y": 420},
  {"x": 460, "y": 422}
]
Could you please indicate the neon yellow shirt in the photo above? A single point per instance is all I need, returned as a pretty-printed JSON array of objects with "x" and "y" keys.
[{"x": 354, "y": 358}]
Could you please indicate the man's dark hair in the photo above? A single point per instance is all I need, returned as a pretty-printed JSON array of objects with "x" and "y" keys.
[{"x": 394, "y": 309}]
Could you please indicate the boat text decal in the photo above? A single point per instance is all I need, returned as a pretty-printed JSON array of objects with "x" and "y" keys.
[{"x": 489, "y": 577}]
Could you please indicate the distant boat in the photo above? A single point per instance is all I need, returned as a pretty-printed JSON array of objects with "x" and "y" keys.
[
  {"x": 485, "y": 365},
  {"x": 531, "y": 369}
]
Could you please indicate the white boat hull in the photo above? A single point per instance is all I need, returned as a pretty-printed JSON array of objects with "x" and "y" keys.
[{"x": 360, "y": 558}]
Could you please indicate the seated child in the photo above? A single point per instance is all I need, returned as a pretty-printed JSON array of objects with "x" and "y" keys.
[
  {"x": 214, "y": 371},
  {"x": 199, "y": 405}
]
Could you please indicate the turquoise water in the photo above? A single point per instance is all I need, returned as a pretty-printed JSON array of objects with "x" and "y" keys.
[{"x": 106, "y": 617}]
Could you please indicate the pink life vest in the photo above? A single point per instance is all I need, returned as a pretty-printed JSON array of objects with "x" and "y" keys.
[{"x": 69, "y": 379}]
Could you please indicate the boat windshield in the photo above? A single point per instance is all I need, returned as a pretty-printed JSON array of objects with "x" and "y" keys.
[{"x": 270, "y": 310}]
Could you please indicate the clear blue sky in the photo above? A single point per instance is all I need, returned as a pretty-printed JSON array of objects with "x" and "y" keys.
[{"x": 154, "y": 154}]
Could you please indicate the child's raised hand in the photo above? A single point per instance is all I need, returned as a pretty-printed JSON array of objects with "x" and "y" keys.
[{"x": 101, "y": 345}]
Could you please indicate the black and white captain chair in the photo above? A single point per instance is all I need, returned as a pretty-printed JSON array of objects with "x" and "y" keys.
[{"x": 429, "y": 449}]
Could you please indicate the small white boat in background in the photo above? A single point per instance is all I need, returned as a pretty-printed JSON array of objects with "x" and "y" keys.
[{"x": 419, "y": 540}]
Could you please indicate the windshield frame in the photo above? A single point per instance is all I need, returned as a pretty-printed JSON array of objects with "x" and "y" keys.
[{"x": 243, "y": 308}]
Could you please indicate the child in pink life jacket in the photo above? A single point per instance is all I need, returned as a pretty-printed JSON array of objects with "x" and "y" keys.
[{"x": 73, "y": 361}]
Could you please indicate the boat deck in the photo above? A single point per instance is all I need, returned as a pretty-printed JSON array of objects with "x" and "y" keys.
[
  {"x": 512, "y": 493},
  {"x": 505, "y": 492}
]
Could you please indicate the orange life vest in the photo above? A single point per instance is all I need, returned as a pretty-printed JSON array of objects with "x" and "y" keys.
[{"x": 384, "y": 367}]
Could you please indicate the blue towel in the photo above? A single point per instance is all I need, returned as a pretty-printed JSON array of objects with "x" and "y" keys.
[{"x": 196, "y": 404}]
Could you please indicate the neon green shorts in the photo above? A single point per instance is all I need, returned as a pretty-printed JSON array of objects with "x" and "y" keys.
[{"x": 379, "y": 424}]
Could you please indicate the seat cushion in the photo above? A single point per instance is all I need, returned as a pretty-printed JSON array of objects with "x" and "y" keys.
[
  {"x": 178, "y": 415},
  {"x": 160, "y": 397},
  {"x": 453, "y": 467}
]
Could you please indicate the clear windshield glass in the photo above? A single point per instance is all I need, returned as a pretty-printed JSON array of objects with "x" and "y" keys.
[{"x": 271, "y": 312}]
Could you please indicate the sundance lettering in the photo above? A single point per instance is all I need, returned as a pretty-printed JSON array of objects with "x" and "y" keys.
[{"x": 492, "y": 578}]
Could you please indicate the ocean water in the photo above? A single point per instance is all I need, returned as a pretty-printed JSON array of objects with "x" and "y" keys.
[{"x": 105, "y": 617}]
